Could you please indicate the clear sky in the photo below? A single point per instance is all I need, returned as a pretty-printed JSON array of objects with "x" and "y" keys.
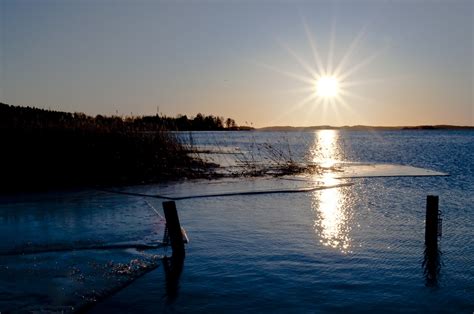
[{"x": 404, "y": 62}]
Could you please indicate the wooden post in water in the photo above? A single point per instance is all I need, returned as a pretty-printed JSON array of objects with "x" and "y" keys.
[
  {"x": 431, "y": 231},
  {"x": 432, "y": 262},
  {"x": 174, "y": 228}
]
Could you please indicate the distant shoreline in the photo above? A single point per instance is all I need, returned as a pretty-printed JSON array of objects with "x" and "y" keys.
[{"x": 364, "y": 128}]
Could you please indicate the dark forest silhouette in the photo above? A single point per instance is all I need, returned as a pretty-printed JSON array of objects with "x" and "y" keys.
[
  {"x": 43, "y": 148},
  {"x": 35, "y": 118}
]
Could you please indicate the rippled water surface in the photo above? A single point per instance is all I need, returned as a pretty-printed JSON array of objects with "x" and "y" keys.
[{"x": 353, "y": 248}]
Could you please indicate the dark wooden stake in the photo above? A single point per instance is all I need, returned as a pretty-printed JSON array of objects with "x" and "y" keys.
[
  {"x": 431, "y": 231},
  {"x": 174, "y": 228}
]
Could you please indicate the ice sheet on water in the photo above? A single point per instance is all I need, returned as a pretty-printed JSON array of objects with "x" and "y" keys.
[
  {"x": 339, "y": 174},
  {"x": 209, "y": 150},
  {"x": 370, "y": 170},
  {"x": 222, "y": 187},
  {"x": 367, "y": 170}
]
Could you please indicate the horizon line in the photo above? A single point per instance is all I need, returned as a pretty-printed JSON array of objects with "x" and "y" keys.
[
  {"x": 323, "y": 126},
  {"x": 419, "y": 126}
]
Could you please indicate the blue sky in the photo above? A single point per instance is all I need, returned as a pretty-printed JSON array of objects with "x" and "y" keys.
[{"x": 412, "y": 64}]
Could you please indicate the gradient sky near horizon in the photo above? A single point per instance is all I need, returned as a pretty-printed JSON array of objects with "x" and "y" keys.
[{"x": 406, "y": 62}]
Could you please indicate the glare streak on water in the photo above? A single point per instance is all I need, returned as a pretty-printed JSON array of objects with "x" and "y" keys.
[{"x": 356, "y": 248}]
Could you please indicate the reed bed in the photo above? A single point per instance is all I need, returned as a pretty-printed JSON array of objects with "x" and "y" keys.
[{"x": 45, "y": 149}]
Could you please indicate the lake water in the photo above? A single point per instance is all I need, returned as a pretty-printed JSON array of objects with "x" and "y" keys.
[{"x": 355, "y": 248}]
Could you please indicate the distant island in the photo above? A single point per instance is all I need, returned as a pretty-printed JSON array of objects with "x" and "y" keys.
[{"x": 364, "y": 128}]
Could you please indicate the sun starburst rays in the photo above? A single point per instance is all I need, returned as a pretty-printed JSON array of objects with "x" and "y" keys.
[
  {"x": 309, "y": 69},
  {"x": 314, "y": 50},
  {"x": 352, "y": 48},
  {"x": 328, "y": 85},
  {"x": 332, "y": 41}
]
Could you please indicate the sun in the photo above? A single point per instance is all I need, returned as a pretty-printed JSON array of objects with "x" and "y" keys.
[
  {"x": 328, "y": 83},
  {"x": 327, "y": 86}
]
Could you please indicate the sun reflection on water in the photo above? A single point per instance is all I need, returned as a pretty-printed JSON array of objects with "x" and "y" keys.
[
  {"x": 331, "y": 206},
  {"x": 325, "y": 150}
]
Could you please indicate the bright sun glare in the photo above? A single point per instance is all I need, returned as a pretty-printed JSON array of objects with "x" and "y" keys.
[
  {"x": 327, "y": 86},
  {"x": 328, "y": 83}
]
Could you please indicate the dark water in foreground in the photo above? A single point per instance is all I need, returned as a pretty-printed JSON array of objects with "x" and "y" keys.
[{"x": 356, "y": 248}]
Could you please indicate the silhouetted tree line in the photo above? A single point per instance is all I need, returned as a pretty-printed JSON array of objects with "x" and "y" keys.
[
  {"x": 43, "y": 148},
  {"x": 35, "y": 118},
  {"x": 201, "y": 123}
]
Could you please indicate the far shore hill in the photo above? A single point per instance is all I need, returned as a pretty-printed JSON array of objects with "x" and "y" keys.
[{"x": 363, "y": 128}]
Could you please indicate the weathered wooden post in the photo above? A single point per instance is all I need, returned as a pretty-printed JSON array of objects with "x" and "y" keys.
[
  {"x": 432, "y": 214},
  {"x": 432, "y": 258},
  {"x": 173, "y": 268},
  {"x": 174, "y": 229}
]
